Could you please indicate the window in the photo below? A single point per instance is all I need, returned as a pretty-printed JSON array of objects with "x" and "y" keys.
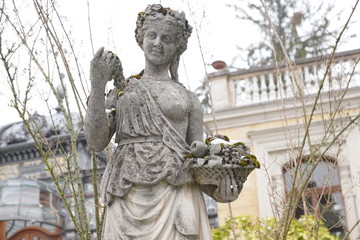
[
  {"x": 322, "y": 196},
  {"x": 45, "y": 198},
  {"x": 55, "y": 201}
]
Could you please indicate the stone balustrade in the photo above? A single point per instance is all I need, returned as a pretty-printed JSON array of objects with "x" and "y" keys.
[{"x": 269, "y": 83}]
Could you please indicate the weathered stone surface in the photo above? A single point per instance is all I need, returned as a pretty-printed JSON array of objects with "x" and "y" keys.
[{"x": 147, "y": 191}]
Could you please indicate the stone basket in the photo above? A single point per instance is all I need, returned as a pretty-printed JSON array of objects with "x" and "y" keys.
[{"x": 224, "y": 183}]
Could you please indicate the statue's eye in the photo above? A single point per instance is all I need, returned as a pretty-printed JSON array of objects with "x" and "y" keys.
[
  {"x": 167, "y": 39},
  {"x": 151, "y": 35}
]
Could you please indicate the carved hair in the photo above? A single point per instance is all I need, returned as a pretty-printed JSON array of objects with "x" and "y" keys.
[{"x": 155, "y": 13}]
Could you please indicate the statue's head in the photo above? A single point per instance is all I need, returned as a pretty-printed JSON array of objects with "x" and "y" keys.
[{"x": 159, "y": 16}]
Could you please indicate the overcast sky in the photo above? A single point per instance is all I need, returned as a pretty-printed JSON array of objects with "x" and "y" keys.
[{"x": 113, "y": 24}]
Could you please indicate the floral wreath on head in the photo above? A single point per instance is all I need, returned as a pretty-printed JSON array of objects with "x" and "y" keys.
[{"x": 156, "y": 12}]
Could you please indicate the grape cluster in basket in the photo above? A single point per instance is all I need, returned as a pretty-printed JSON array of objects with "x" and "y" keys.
[{"x": 219, "y": 151}]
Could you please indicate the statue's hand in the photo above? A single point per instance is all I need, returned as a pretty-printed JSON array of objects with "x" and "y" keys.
[{"x": 104, "y": 66}]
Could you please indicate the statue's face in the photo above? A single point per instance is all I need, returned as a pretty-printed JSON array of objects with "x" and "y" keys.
[{"x": 160, "y": 43}]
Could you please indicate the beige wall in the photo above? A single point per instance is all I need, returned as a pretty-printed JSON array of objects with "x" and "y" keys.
[
  {"x": 248, "y": 200},
  {"x": 246, "y": 204}
]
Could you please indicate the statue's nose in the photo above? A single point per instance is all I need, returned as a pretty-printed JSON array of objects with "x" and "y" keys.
[{"x": 157, "y": 41}]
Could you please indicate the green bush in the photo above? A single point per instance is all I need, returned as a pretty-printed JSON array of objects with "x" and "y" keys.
[{"x": 305, "y": 228}]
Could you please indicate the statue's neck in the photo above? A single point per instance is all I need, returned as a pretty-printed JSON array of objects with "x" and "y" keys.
[{"x": 156, "y": 71}]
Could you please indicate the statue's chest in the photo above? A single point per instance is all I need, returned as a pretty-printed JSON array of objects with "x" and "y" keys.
[{"x": 171, "y": 99}]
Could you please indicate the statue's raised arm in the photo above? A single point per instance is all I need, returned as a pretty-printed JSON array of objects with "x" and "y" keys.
[{"x": 100, "y": 125}]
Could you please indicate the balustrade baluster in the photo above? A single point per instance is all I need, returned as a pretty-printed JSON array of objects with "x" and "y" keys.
[
  {"x": 263, "y": 89},
  {"x": 238, "y": 92},
  {"x": 356, "y": 74},
  {"x": 249, "y": 90},
  {"x": 336, "y": 70},
  {"x": 349, "y": 64},
  {"x": 314, "y": 78},
  {"x": 280, "y": 85},
  {"x": 244, "y": 90},
  {"x": 307, "y": 79},
  {"x": 286, "y": 84},
  {"x": 256, "y": 89},
  {"x": 355, "y": 80},
  {"x": 346, "y": 70},
  {"x": 320, "y": 71},
  {"x": 272, "y": 87}
]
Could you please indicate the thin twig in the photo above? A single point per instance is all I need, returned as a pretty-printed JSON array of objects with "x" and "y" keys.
[{"x": 207, "y": 80}]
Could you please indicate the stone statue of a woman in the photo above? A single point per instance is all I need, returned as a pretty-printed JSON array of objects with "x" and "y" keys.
[{"x": 147, "y": 192}]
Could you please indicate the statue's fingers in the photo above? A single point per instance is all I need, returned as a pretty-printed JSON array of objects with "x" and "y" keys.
[
  {"x": 108, "y": 57},
  {"x": 117, "y": 60},
  {"x": 118, "y": 68},
  {"x": 111, "y": 55},
  {"x": 99, "y": 52}
]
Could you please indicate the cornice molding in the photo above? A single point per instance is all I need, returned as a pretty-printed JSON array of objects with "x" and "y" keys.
[
  {"x": 273, "y": 111},
  {"x": 25, "y": 151}
]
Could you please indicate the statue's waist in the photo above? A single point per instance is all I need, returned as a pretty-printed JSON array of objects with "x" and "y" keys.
[{"x": 148, "y": 139}]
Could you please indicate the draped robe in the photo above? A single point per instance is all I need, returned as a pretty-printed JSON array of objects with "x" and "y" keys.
[{"x": 147, "y": 192}]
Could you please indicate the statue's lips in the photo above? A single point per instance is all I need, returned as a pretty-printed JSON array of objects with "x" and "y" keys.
[{"x": 157, "y": 52}]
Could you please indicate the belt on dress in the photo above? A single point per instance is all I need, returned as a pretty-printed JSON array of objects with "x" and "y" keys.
[{"x": 140, "y": 140}]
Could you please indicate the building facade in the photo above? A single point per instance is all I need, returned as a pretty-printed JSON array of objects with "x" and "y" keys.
[{"x": 290, "y": 115}]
